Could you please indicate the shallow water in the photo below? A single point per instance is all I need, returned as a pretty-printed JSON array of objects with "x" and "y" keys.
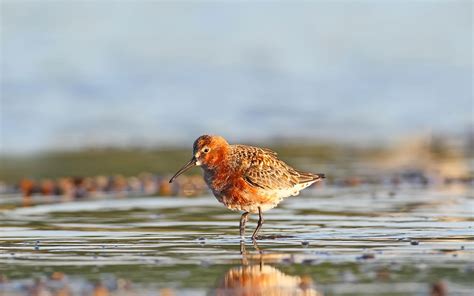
[{"x": 329, "y": 241}]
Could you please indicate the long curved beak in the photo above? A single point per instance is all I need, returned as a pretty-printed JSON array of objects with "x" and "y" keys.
[{"x": 186, "y": 167}]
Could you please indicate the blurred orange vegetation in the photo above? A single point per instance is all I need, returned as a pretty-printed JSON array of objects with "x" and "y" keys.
[{"x": 118, "y": 185}]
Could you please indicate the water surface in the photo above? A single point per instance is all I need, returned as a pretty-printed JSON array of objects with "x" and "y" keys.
[{"x": 329, "y": 241}]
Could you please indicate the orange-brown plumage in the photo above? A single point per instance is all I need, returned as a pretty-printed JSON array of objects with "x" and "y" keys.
[{"x": 246, "y": 178}]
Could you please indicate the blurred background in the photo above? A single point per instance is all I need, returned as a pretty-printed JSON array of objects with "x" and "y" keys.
[
  {"x": 122, "y": 87},
  {"x": 101, "y": 101}
]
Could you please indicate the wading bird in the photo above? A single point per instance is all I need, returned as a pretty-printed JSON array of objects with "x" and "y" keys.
[{"x": 246, "y": 178}]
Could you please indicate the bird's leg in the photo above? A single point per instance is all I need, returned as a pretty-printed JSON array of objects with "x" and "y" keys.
[
  {"x": 243, "y": 251},
  {"x": 243, "y": 220},
  {"x": 259, "y": 224},
  {"x": 255, "y": 245}
]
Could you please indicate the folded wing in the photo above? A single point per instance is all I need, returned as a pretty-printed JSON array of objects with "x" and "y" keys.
[{"x": 264, "y": 170}]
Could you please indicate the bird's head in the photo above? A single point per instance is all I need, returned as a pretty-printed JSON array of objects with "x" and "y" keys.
[{"x": 208, "y": 151}]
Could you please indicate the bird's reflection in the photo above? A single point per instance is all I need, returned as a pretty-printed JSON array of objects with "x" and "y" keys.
[{"x": 254, "y": 277}]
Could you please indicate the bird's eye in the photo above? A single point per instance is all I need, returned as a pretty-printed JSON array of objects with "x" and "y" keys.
[{"x": 205, "y": 150}]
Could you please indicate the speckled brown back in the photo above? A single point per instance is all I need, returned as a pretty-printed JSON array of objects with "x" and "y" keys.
[{"x": 262, "y": 168}]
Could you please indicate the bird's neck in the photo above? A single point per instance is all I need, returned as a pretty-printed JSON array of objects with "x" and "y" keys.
[
  {"x": 217, "y": 172},
  {"x": 218, "y": 160}
]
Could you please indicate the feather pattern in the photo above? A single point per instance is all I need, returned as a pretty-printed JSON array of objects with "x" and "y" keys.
[{"x": 261, "y": 168}]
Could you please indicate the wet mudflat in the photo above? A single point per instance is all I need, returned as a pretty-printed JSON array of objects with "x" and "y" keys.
[{"x": 328, "y": 241}]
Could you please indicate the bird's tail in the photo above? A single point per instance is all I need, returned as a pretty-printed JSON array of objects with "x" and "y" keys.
[{"x": 308, "y": 177}]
